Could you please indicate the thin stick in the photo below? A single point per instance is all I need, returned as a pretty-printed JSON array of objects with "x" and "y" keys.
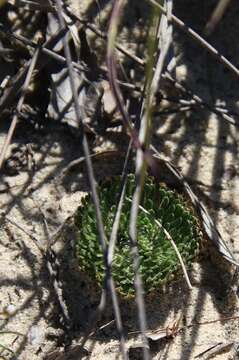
[
  {"x": 19, "y": 107},
  {"x": 103, "y": 36},
  {"x": 165, "y": 75},
  {"x": 141, "y": 163},
  {"x": 18, "y": 80},
  {"x": 199, "y": 100},
  {"x": 189, "y": 31},
  {"x": 141, "y": 151},
  {"x": 227, "y": 318},
  {"x": 214, "y": 321},
  {"x": 215, "y": 350},
  {"x": 138, "y": 60},
  {"x": 144, "y": 133},
  {"x": 11, "y": 332},
  {"x": 32, "y": 5},
  {"x": 216, "y": 16},
  {"x": 80, "y": 160},
  {"x": 116, "y": 222},
  {"x": 6, "y": 348},
  {"x": 45, "y": 50},
  {"x": 92, "y": 180},
  {"x": 94, "y": 318},
  {"x": 50, "y": 264},
  {"x": 14, "y": 223}
]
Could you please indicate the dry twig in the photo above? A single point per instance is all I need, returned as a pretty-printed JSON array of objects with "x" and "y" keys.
[{"x": 19, "y": 107}]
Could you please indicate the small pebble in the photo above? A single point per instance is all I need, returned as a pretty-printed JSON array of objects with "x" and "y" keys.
[
  {"x": 35, "y": 335},
  {"x": 10, "y": 309}
]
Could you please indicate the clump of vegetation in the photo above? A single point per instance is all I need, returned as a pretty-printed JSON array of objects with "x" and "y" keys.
[{"x": 158, "y": 260}]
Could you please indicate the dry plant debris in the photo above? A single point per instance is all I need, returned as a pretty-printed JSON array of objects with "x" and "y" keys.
[{"x": 53, "y": 61}]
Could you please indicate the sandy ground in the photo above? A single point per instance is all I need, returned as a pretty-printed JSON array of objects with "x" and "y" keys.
[{"x": 201, "y": 144}]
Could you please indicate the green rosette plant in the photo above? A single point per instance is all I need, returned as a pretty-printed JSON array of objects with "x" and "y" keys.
[{"x": 158, "y": 259}]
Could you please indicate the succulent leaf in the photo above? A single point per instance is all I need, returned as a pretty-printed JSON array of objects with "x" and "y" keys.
[{"x": 158, "y": 260}]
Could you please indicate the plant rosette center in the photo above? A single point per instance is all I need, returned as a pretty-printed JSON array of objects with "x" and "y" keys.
[{"x": 162, "y": 211}]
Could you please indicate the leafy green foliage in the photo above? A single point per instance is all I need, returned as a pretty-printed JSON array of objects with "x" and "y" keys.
[{"x": 158, "y": 260}]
